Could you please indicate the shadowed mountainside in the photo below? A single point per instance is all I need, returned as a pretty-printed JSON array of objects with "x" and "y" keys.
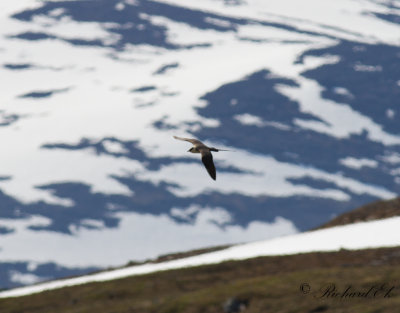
[{"x": 372, "y": 211}]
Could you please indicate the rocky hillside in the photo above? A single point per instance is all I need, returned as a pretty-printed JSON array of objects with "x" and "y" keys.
[{"x": 314, "y": 282}]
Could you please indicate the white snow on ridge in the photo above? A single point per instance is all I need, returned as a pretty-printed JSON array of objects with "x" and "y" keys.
[{"x": 373, "y": 234}]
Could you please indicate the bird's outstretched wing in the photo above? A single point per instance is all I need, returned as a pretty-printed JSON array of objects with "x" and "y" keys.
[
  {"x": 195, "y": 142},
  {"x": 207, "y": 159}
]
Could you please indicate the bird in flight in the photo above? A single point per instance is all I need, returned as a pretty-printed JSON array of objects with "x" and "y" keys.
[{"x": 206, "y": 156}]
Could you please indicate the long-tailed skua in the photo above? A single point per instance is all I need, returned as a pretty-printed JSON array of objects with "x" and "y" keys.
[{"x": 206, "y": 156}]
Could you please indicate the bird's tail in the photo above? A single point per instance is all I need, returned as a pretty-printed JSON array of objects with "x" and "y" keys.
[{"x": 216, "y": 150}]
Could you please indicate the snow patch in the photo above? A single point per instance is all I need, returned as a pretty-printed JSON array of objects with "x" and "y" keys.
[
  {"x": 249, "y": 119},
  {"x": 358, "y": 163},
  {"x": 340, "y": 119},
  {"x": 209, "y": 226},
  {"x": 24, "y": 278}
]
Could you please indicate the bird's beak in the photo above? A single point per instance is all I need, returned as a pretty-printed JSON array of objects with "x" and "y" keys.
[{"x": 188, "y": 150}]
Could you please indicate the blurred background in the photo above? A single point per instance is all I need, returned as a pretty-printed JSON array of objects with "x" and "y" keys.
[{"x": 306, "y": 93}]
